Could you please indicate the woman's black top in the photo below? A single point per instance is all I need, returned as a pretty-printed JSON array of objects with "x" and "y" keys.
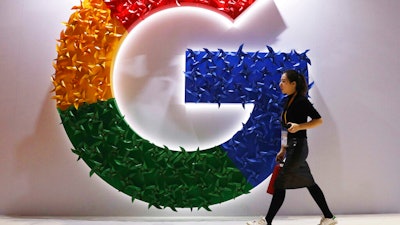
[
  {"x": 295, "y": 172},
  {"x": 298, "y": 112}
]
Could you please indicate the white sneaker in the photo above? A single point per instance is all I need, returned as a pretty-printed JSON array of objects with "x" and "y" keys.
[
  {"x": 260, "y": 221},
  {"x": 328, "y": 221}
]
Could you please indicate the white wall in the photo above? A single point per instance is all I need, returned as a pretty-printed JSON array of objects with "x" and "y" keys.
[{"x": 354, "y": 51}]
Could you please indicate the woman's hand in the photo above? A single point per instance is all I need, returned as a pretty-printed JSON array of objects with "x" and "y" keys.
[
  {"x": 281, "y": 154},
  {"x": 294, "y": 127},
  {"x": 304, "y": 126}
]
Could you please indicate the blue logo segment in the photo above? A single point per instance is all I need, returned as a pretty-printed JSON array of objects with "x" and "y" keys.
[{"x": 245, "y": 77}]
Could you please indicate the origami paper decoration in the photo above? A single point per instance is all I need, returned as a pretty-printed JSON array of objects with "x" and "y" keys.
[
  {"x": 133, "y": 165},
  {"x": 245, "y": 77}
]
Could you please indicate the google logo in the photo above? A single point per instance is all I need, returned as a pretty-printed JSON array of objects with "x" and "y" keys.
[{"x": 90, "y": 59}]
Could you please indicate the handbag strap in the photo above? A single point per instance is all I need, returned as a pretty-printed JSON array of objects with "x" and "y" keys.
[{"x": 287, "y": 107}]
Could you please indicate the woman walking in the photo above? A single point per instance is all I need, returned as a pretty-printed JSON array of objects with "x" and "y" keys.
[{"x": 296, "y": 173}]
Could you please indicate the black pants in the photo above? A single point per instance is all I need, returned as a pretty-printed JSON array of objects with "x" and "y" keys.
[{"x": 279, "y": 197}]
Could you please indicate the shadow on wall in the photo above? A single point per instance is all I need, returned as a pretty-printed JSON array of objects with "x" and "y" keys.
[
  {"x": 260, "y": 23},
  {"x": 325, "y": 157}
]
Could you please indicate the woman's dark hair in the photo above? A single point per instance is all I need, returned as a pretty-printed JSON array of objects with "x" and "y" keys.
[{"x": 301, "y": 83}]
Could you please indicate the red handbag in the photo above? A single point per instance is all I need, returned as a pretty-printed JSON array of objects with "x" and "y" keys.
[{"x": 271, "y": 189}]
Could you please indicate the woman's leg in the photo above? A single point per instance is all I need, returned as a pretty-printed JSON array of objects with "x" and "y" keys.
[
  {"x": 276, "y": 203},
  {"x": 319, "y": 198}
]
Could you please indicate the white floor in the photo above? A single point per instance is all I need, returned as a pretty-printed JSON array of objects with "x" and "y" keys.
[{"x": 381, "y": 219}]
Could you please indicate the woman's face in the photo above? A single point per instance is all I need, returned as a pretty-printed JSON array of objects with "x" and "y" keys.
[{"x": 286, "y": 86}]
